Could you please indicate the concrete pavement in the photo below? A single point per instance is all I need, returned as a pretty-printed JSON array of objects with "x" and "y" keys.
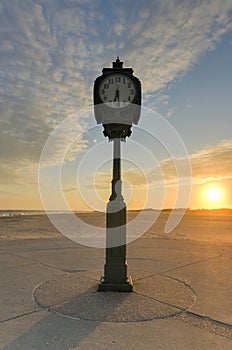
[{"x": 193, "y": 277}]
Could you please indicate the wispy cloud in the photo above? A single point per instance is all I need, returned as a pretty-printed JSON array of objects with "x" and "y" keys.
[
  {"x": 214, "y": 162},
  {"x": 51, "y": 52},
  {"x": 211, "y": 163},
  {"x": 174, "y": 36}
]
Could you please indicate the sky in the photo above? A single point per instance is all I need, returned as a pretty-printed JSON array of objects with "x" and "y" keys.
[{"x": 50, "y": 54}]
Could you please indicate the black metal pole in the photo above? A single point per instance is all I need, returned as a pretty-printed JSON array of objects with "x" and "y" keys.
[
  {"x": 115, "y": 271},
  {"x": 116, "y": 181}
]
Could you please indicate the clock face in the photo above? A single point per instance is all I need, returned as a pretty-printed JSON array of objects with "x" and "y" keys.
[{"x": 117, "y": 90}]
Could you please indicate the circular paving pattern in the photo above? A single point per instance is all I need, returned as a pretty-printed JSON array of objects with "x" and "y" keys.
[{"x": 75, "y": 295}]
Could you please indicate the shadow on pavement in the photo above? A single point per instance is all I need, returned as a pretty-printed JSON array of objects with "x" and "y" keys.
[{"x": 59, "y": 332}]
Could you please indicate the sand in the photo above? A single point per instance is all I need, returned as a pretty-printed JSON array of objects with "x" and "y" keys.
[{"x": 206, "y": 225}]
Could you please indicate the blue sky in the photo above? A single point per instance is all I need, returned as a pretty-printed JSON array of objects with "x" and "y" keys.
[
  {"x": 202, "y": 99},
  {"x": 52, "y": 51}
]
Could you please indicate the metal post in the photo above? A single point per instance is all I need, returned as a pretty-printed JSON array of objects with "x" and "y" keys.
[
  {"x": 116, "y": 181},
  {"x": 115, "y": 271}
]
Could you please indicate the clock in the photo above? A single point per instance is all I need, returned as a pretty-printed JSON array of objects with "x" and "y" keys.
[
  {"x": 117, "y": 90},
  {"x": 117, "y": 100}
]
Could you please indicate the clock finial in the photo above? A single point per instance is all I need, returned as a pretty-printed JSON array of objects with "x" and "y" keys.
[{"x": 118, "y": 64}]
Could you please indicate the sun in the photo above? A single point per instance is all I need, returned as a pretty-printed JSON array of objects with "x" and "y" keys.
[{"x": 213, "y": 194}]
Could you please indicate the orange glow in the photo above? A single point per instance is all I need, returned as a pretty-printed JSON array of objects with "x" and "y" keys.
[{"x": 213, "y": 196}]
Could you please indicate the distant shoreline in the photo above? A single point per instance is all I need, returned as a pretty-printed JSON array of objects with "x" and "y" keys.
[
  {"x": 12, "y": 212},
  {"x": 19, "y": 214}
]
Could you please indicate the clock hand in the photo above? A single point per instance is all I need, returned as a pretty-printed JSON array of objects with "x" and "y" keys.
[
  {"x": 116, "y": 96},
  {"x": 118, "y": 99}
]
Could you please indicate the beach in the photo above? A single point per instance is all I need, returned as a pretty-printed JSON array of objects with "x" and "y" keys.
[
  {"x": 197, "y": 225},
  {"x": 182, "y": 286}
]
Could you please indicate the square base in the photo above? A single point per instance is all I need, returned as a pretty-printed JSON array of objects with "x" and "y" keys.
[{"x": 127, "y": 286}]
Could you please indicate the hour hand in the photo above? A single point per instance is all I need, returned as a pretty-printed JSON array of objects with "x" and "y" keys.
[{"x": 116, "y": 98}]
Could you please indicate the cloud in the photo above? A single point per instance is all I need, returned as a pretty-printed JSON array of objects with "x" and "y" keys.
[
  {"x": 174, "y": 36},
  {"x": 18, "y": 175},
  {"x": 211, "y": 163},
  {"x": 131, "y": 177},
  {"x": 214, "y": 162},
  {"x": 7, "y": 174},
  {"x": 51, "y": 52}
]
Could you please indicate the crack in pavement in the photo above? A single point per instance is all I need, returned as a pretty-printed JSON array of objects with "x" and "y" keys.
[
  {"x": 34, "y": 262},
  {"x": 179, "y": 267},
  {"x": 21, "y": 315},
  {"x": 206, "y": 323},
  {"x": 192, "y": 263}
]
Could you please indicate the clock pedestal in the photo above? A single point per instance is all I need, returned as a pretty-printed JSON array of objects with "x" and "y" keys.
[
  {"x": 115, "y": 272},
  {"x": 117, "y": 106}
]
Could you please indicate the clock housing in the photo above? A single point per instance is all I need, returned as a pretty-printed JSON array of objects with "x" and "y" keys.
[{"x": 117, "y": 99}]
